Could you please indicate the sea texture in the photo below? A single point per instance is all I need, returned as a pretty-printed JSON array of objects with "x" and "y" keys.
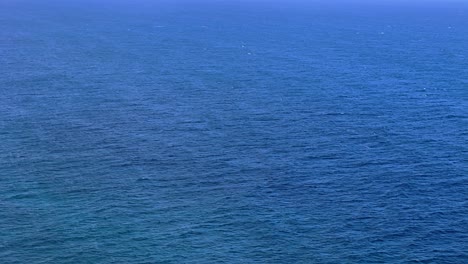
[{"x": 233, "y": 132}]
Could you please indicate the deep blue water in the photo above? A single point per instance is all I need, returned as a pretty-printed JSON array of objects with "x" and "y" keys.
[{"x": 233, "y": 132}]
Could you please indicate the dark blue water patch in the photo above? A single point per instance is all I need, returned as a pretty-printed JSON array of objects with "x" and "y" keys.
[{"x": 233, "y": 132}]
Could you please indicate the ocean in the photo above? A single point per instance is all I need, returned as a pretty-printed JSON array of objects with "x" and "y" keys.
[{"x": 233, "y": 131}]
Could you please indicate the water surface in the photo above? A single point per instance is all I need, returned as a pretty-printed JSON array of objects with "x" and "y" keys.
[{"x": 247, "y": 132}]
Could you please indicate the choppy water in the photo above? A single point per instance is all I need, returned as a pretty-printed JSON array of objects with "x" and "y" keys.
[{"x": 233, "y": 133}]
